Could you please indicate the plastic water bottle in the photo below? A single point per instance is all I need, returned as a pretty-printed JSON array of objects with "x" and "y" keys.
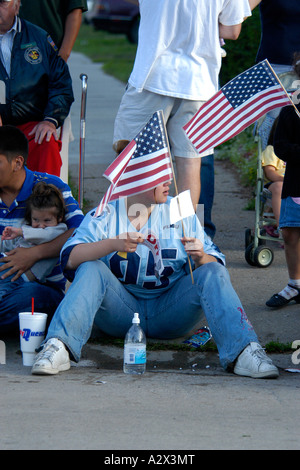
[{"x": 135, "y": 348}]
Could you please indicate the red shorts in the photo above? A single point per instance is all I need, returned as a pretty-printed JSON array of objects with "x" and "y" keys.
[{"x": 44, "y": 157}]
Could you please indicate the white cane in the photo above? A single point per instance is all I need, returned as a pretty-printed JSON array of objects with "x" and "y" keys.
[{"x": 83, "y": 77}]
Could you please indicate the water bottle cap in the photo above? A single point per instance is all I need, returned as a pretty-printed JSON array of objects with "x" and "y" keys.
[{"x": 136, "y": 318}]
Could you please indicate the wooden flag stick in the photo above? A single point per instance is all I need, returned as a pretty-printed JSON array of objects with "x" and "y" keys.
[
  {"x": 292, "y": 103},
  {"x": 176, "y": 189}
]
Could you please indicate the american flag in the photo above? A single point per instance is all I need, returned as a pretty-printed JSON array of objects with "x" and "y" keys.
[
  {"x": 234, "y": 107},
  {"x": 144, "y": 164}
]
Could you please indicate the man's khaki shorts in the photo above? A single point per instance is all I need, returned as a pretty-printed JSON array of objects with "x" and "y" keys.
[{"x": 137, "y": 108}]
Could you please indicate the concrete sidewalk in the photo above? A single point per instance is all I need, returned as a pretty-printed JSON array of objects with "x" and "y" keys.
[
  {"x": 103, "y": 97},
  {"x": 185, "y": 401}
]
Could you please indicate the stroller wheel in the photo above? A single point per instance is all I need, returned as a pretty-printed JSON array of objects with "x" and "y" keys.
[
  {"x": 248, "y": 238},
  {"x": 249, "y": 254},
  {"x": 263, "y": 256}
]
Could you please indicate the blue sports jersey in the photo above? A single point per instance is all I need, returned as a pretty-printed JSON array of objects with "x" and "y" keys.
[
  {"x": 14, "y": 215},
  {"x": 137, "y": 270}
]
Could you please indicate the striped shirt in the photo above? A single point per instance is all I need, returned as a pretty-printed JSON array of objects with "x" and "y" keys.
[
  {"x": 14, "y": 215},
  {"x": 6, "y": 43}
]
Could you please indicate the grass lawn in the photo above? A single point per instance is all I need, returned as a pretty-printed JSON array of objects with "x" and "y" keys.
[{"x": 114, "y": 51}]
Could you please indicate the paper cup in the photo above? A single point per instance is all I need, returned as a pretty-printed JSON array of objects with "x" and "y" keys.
[{"x": 32, "y": 333}]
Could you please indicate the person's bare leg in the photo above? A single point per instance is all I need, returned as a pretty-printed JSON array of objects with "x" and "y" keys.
[
  {"x": 291, "y": 237},
  {"x": 188, "y": 176},
  {"x": 276, "y": 189}
]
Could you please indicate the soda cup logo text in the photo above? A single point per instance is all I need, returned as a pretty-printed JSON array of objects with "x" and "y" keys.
[{"x": 27, "y": 333}]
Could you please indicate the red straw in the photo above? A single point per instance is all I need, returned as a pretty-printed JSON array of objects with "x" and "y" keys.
[{"x": 32, "y": 305}]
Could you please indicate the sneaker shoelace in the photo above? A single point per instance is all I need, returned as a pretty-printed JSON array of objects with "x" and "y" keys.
[
  {"x": 48, "y": 352},
  {"x": 260, "y": 356}
]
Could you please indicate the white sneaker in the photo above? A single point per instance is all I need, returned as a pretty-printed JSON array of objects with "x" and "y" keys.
[
  {"x": 253, "y": 362},
  {"x": 52, "y": 359}
]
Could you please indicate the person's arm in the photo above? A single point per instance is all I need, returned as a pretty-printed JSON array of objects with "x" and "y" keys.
[
  {"x": 60, "y": 92},
  {"x": 272, "y": 174},
  {"x": 72, "y": 26},
  {"x": 20, "y": 260},
  {"x": 92, "y": 251},
  {"x": 229, "y": 32},
  {"x": 254, "y": 3},
  {"x": 10, "y": 233},
  {"x": 37, "y": 235}
]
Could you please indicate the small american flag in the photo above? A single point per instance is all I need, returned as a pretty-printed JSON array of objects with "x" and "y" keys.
[
  {"x": 234, "y": 107},
  {"x": 144, "y": 164}
]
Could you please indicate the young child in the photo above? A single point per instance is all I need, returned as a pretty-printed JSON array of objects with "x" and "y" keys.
[
  {"x": 287, "y": 148},
  {"x": 44, "y": 215},
  {"x": 274, "y": 170}
]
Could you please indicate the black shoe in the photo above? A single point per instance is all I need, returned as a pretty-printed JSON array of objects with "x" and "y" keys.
[{"x": 277, "y": 300}]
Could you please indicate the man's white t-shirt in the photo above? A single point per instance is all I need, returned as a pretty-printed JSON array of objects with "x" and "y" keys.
[{"x": 179, "y": 50}]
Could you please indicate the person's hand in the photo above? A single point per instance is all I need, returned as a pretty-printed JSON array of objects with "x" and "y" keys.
[
  {"x": 18, "y": 260},
  {"x": 194, "y": 248},
  {"x": 9, "y": 233},
  {"x": 128, "y": 242},
  {"x": 64, "y": 54},
  {"x": 44, "y": 130}
]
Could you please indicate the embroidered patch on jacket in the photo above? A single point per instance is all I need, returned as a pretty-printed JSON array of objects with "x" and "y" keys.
[
  {"x": 33, "y": 55},
  {"x": 52, "y": 43}
]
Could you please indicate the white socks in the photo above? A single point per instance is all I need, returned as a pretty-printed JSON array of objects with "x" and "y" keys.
[{"x": 288, "y": 292}]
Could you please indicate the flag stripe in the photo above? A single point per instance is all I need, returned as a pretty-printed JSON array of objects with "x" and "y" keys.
[
  {"x": 207, "y": 137},
  {"x": 237, "y": 127},
  {"x": 147, "y": 160},
  {"x": 136, "y": 177},
  {"x": 144, "y": 164},
  {"x": 231, "y": 127},
  {"x": 141, "y": 181},
  {"x": 213, "y": 103},
  {"x": 114, "y": 170},
  {"x": 147, "y": 185},
  {"x": 237, "y": 105},
  {"x": 104, "y": 201},
  {"x": 228, "y": 116},
  {"x": 257, "y": 101}
]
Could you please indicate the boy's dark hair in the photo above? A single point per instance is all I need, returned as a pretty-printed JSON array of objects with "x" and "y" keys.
[
  {"x": 13, "y": 143},
  {"x": 45, "y": 196}
]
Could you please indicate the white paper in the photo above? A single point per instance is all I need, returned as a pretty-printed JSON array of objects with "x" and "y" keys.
[{"x": 181, "y": 206}]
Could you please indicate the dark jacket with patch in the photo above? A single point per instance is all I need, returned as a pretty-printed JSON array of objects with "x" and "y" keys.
[{"x": 39, "y": 85}]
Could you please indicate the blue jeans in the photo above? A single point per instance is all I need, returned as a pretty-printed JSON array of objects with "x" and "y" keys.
[
  {"x": 16, "y": 297},
  {"x": 289, "y": 213},
  {"x": 97, "y": 295},
  {"x": 207, "y": 177}
]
